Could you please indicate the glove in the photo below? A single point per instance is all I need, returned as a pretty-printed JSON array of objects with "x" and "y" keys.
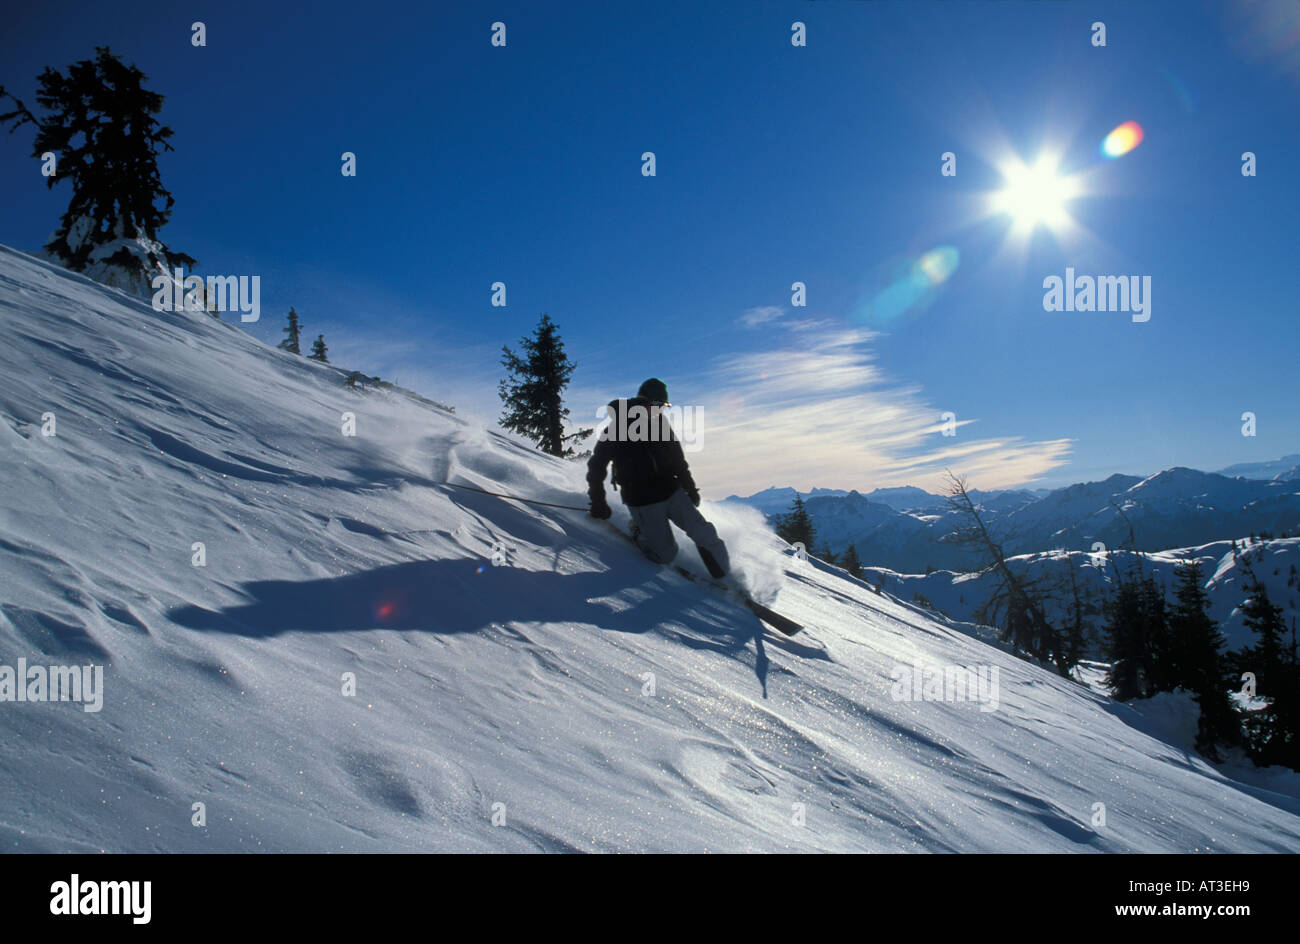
[
  {"x": 599, "y": 509},
  {"x": 695, "y": 498}
]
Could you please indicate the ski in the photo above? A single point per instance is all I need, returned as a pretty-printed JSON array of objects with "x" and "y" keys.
[
  {"x": 772, "y": 618},
  {"x": 782, "y": 624}
]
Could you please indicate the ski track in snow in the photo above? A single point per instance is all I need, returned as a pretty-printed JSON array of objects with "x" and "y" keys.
[{"x": 477, "y": 685}]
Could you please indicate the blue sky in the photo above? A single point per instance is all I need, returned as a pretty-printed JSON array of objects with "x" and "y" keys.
[{"x": 775, "y": 164}]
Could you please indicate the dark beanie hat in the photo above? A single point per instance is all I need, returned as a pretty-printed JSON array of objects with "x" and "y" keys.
[{"x": 654, "y": 389}]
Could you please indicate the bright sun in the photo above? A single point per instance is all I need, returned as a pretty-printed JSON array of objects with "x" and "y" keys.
[{"x": 1035, "y": 196}]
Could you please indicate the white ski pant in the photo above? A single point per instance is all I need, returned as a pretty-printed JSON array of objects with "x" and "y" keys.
[{"x": 654, "y": 535}]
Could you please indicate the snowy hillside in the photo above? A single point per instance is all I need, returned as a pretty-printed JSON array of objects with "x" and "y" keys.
[{"x": 581, "y": 696}]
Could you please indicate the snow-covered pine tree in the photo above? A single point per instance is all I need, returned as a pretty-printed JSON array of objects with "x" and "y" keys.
[{"x": 101, "y": 129}]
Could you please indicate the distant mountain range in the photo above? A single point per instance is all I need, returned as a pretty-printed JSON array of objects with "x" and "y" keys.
[
  {"x": 1284, "y": 469},
  {"x": 1276, "y": 563},
  {"x": 910, "y": 530}
]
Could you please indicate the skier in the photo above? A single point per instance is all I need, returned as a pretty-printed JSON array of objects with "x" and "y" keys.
[{"x": 650, "y": 469}]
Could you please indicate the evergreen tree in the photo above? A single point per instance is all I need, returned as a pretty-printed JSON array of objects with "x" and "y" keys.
[
  {"x": 319, "y": 350},
  {"x": 1137, "y": 639},
  {"x": 1287, "y": 705},
  {"x": 1159, "y": 664},
  {"x": 1123, "y": 642},
  {"x": 828, "y": 555},
  {"x": 795, "y": 527},
  {"x": 850, "y": 562},
  {"x": 1196, "y": 645},
  {"x": 101, "y": 128},
  {"x": 1264, "y": 618},
  {"x": 1080, "y": 608},
  {"x": 533, "y": 391},
  {"x": 290, "y": 342},
  {"x": 1271, "y": 733}
]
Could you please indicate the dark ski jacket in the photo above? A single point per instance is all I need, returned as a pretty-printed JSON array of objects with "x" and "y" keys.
[{"x": 649, "y": 464}]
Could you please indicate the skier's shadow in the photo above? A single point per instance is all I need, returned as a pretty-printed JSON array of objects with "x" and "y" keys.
[{"x": 470, "y": 596}]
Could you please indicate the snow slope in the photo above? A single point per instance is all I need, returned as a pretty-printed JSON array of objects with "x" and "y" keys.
[{"x": 519, "y": 690}]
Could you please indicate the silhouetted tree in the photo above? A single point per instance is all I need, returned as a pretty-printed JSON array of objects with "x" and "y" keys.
[
  {"x": 101, "y": 128},
  {"x": 290, "y": 341},
  {"x": 1014, "y": 606},
  {"x": 795, "y": 527},
  {"x": 1124, "y": 647},
  {"x": 1271, "y": 732},
  {"x": 1199, "y": 667},
  {"x": 850, "y": 562},
  {"x": 1136, "y": 634},
  {"x": 1080, "y": 608},
  {"x": 533, "y": 391},
  {"x": 319, "y": 350}
]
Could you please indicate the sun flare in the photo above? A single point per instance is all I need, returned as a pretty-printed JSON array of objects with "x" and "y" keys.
[{"x": 1035, "y": 195}]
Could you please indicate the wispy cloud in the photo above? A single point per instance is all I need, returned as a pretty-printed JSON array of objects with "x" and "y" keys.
[
  {"x": 824, "y": 413},
  {"x": 818, "y": 411},
  {"x": 753, "y": 317}
]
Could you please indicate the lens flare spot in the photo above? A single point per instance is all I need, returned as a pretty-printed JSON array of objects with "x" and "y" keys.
[
  {"x": 385, "y": 611},
  {"x": 1122, "y": 140},
  {"x": 906, "y": 287},
  {"x": 938, "y": 264}
]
